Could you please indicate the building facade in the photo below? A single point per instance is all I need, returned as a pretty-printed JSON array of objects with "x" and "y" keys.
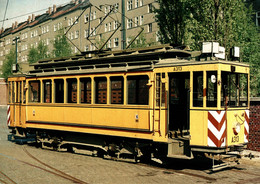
[{"x": 88, "y": 25}]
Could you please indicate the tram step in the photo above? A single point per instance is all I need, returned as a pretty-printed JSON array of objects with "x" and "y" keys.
[{"x": 219, "y": 167}]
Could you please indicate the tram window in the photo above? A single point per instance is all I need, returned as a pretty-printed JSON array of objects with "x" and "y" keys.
[
  {"x": 16, "y": 92},
  {"x": 85, "y": 90},
  {"x": 13, "y": 93},
  {"x": 34, "y": 91},
  {"x": 19, "y": 92},
  {"x": 138, "y": 91},
  {"x": 47, "y": 86},
  {"x": 59, "y": 90},
  {"x": 117, "y": 86},
  {"x": 24, "y": 92},
  {"x": 234, "y": 89},
  {"x": 10, "y": 92},
  {"x": 197, "y": 89},
  {"x": 101, "y": 90},
  {"x": 72, "y": 90},
  {"x": 158, "y": 89},
  {"x": 212, "y": 89}
]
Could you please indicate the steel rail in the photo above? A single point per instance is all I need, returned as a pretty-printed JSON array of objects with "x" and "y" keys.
[{"x": 63, "y": 174}]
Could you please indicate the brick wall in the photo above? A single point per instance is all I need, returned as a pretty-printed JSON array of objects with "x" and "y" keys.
[
  {"x": 3, "y": 92},
  {"x": 254, "y": 125}
]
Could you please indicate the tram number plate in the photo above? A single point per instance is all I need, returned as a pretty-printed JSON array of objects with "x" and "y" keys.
[
  {"x": 235, "y": 138},
  {"x": 177, "y": 68}
]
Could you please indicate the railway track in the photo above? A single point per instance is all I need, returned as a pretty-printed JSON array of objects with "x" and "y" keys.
[
  {"x": 51, "y": 170},
  {"x": 6, "y": 178},
  {"x": 55, "y": 171}
]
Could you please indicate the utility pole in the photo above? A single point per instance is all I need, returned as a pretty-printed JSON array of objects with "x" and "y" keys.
[
  {"x": 15, "y": 68},
  {"x": 123, "y": 46}
]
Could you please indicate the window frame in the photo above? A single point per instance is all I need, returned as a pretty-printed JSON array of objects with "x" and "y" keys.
[
  {"x": 102, "y": 96},
  {"x": 137, "y": 91},
  {"x": 116, "y": 79},
  {"x": 31, "y": 100}
]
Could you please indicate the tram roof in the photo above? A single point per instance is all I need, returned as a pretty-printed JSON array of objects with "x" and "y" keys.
[{"x": 118, "y": 61}]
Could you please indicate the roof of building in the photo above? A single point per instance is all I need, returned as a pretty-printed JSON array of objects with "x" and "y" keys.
[{"x": 52, "y": 13}]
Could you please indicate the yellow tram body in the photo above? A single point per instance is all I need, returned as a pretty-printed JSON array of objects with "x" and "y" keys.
[{"x": 161, "y": 99}]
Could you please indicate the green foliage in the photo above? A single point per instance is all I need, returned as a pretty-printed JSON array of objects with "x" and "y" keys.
[
  {"x": 8, "y": 63},
  {"x": 62, "y": 47},
  {"x": 229, "y": 22},
  {"x": 38, "y": 53}
]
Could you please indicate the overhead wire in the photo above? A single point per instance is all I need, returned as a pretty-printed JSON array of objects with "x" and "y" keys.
[{"x": 5, "y": 12}]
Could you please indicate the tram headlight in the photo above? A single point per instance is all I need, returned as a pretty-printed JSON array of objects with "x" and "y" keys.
[{"x": 236, "y": 128}]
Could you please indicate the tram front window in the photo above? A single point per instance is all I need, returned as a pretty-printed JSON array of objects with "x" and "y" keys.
[{"x": 234, "y": 89}]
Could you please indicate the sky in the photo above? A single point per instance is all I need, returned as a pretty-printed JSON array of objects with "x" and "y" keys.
[{"x": 21, "y": 7}]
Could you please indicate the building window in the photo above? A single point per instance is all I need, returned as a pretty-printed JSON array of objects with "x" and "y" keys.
[
  {"x": 85, "y": 84},
  {"x": 92, "y": 31},
  {"x": 116, "y": 7},
  {"x": 105, "y": 27},
  {"x": 86, "y": 18},
  {"x": 76, "y": 34},
  {"x": 86, "y": 48},
  {"x": 101, "y": 90},
  {"x": 141, "y": 2},
  {"x": 76, "y": 19},
  {"x": 55, "y": 27},
  {"x": 94, "y": 15},
  {"x": 109, "y": 44},
  {"x": 86, "y": 33},
  {"x": 72, "y": 90},
  {"x": 115, "y": 25},
  {"x": 258, "y": 18},
  {"x": 106, "y": 10},
  {"x": 116, "y": 43},
  {"x": 59, "y": 90},
  {"x": 109, "y": 26},
  {"x": 136, "y": 3},
  {"x": 136, "y": 21},
  {"x": 129, "y": 23},
  {"x": 150, "y": 8},
  {"x": 34, "y": 91},
  {"x": 117, "y": 90},
  {"x": 47, "y": 91},
  {"x": 150, "y": 28},
  {"x": 130, "y": 5},
  {"x": 138, "y": 91},
  {"x": 59, "y": 26},
  {"x": 141, "y": 20}
]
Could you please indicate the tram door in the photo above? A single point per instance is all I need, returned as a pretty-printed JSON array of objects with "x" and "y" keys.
[
  {"x": 179, "y": 103},
  {"x": 18, "y": 99}
]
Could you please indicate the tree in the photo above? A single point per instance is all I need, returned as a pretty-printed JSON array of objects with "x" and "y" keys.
[
  {"x": 35, "y": 54},
  {"x": 141, "y": 42},
  {"x": 8, "y": 63},
  {"x": 61, "y": 46},
  {"x": 190, "y": 22}
]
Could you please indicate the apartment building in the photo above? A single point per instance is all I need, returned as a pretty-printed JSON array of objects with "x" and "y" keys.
[{"x": 88, "y": 24}]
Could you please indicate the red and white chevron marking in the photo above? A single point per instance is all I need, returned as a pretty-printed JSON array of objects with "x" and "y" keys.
[
  {"x": 246, "y": 125},
  {"x": 8, "y": 115},
  {"x": 216, "y": 128}
]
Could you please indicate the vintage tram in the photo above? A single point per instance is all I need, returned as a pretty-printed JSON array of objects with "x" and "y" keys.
[{"x": 157, "y": 101}]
